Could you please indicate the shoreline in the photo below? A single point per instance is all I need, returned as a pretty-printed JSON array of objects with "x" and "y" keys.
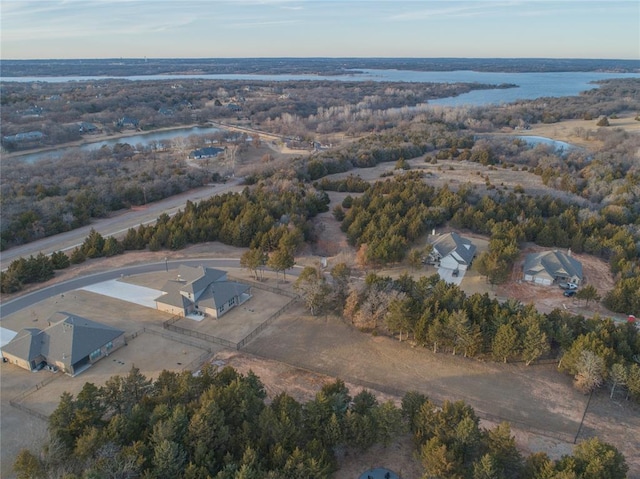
[{"x": 96, "y": 139}]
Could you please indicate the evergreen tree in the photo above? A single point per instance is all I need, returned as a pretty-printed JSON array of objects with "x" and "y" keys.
[{"x": 505, "y": 343}]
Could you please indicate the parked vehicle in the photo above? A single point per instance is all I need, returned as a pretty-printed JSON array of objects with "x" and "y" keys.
[
  {"x": 569, "y": 293},
  {"x": 51, "y": 367},
  {"x": 571, "y": 286}
]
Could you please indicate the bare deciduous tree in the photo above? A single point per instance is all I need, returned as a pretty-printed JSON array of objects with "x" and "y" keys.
[{"x": 591, "y": 370}]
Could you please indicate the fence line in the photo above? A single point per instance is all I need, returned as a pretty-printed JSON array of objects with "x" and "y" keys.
[
  {"x": 170, "y": 324},
  {"x": 17, "y": 401},
  {"x": 133, "y": 335},
  {"x": 177, "y": 339},
  {"x": 28, "y": 410},
  {"x": 35, "y": 388},
  {"x": 196, "y": 363},
  {"x": 205, "y": 337},
  {"x": 262, "y": 326},
  {"x": 259, "y": 285}
]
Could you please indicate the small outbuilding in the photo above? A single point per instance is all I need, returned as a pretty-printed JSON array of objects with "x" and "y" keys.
[
  {"x": 71, "y": 343},
  {"x": 551, "y": 267}
]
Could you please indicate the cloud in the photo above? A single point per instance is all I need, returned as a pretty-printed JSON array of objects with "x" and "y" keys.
[
  {"x": 258, "y": 23},
  {"x": 454, "y": 9},
  {"x": 75, "y": 19}
]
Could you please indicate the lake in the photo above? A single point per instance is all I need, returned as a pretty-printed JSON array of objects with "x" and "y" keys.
[
  {"x": 530, "y": 85},
  {"x": 144, "y": 139}
]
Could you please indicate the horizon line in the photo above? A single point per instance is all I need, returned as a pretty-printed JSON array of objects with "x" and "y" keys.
[{"x": 325, "y": 58}]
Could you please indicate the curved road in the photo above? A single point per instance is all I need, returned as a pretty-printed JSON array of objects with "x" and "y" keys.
[{"x": 33, "y": 297}]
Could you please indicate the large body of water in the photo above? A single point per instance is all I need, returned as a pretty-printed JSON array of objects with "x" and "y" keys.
[{"x": 529, "y": 86}]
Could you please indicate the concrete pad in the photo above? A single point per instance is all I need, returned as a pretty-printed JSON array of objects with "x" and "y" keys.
[
  {"x": 6, "y": 335},
  {"x": 447, "y": 275},
  {"x": 126, "y": 292}
]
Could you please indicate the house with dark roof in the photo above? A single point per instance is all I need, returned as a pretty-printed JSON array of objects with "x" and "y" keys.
[
  {"x": 201, "y": 291},
  {"x": 551, "y": 267},
  {"x": 24, "y": 137},
  {"x": 86, "y": 127},
  {"x": 208, "y": 152},
  {"x": 71, "y": 343},
  {"x": 128, "y": 122},
  {"x": 452, "y": 251}
]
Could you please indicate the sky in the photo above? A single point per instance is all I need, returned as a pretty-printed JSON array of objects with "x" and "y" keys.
[{"x": 45, "y": 29}]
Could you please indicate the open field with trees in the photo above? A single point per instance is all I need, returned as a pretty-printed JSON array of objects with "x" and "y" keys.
[{"x": 587, "y": 200}]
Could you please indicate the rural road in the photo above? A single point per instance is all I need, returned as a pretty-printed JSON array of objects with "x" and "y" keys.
[
  {"x": 29, "y": 299},
  {"x": 117, "y": 224}
]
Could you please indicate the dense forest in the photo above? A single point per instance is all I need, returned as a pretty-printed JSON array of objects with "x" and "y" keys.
[{"x": 220, "y": 424}]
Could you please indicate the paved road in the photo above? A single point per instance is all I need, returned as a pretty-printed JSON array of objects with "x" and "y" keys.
[
  {"x": 29, "y": 299},
  {"x": 116, "y": 225}
]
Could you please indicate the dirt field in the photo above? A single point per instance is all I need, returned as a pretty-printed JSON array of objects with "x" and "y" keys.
[{"x": 453, "y": 173}]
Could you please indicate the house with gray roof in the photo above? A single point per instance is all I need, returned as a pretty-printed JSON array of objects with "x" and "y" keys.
[
  {"x": 128, "y": 122},
  {"x": 71, "y": 343},
  {"x": 452, "y": 251},
  {"x": 201, "y": 291},
  {"x": 551, "y": 267},
  {"x": 208, "y": 152}
]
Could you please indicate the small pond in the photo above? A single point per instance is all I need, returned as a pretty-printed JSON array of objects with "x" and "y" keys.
[
  {"x": 560, "y": 146},
  {"x": 379, "y": 473}
]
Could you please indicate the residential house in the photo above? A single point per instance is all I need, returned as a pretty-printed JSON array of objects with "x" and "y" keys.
[
  {"x": 201, "y": 291},
  {"x": 128, "y": 122},
  {"x": 208, "y": 152},
  {"x": 452, "y": 251},
  {"x": 71, "y": 343},
  {"x": 551, "y": 267},
  {"x": 33, "y": 111},
  {"x": 24, "y": 137},
  {"x": 86, "y": 127}
]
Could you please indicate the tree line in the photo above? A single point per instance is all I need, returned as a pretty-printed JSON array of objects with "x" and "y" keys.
[
  {"x": 272, "y": 216},
  {"x": 219, "y": 424},
  {"x": 433, "y": 314}
]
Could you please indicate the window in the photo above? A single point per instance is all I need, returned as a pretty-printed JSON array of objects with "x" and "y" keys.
[
  {"x": 109, "y": 346},
  {"x": 95, "y": 355}
]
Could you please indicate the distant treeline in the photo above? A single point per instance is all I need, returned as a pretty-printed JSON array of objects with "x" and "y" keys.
[{"x": 323, "y": 66}]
